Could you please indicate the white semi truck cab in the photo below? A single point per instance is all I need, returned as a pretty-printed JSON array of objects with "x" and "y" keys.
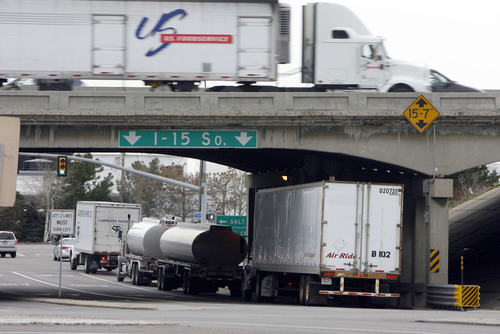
[{"x": 339, "y": 52}]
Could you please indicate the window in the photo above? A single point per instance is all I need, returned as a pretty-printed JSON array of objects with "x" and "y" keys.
[
  {"x": 340, "y": 34},
  {"x": 368, "y": 51}
]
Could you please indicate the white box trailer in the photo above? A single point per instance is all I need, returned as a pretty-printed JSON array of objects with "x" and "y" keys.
[
  {"x": 146, "y": 40},
  {"x": 326, "y": 238},
  {"x": 97, "y": 230}
]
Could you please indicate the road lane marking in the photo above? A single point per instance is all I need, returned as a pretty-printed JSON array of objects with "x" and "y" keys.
[{"x": 65, "y": 287}]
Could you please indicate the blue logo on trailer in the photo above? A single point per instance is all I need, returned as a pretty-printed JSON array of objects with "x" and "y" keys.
[{"x": 158, "y": 28}]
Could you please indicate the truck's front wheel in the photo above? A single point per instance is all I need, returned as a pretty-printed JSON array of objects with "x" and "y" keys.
[
  {"x": 119, "y": 275},
  {"x": 73, "y": 262}
]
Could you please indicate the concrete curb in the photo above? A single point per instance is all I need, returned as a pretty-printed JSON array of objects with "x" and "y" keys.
[
  {"x": 471, "y": 321},
  {"x": 93, "y": 303}
]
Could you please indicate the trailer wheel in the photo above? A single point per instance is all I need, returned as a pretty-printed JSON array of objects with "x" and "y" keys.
[
  {"x": 308, "y": 290},
  {"x": 135, "y": 273},
  {"x": 189, "y": 286},
  {"x": 87, "y": 263},
  {"x": 302, "y": 290},
  {"x": 311, "y": 292},
  {"x": 235, "y": 290},
  {"x": 159, "y": 281},
  {"x": 258, "y": 289}
]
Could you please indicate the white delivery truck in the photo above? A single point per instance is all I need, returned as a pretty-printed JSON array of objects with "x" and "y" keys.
[
  {"x": 97, "y": 227},
  {"x": 197, "y": 257},
  {"x": 182, "y": 43},
  {"x": 325, "y": 239}
]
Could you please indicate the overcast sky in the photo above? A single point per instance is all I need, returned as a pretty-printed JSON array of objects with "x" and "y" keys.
[{"x": 456, "y": 37}]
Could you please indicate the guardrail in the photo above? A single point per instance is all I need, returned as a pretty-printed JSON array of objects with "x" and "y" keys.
[{"x": 453, "y": 296}]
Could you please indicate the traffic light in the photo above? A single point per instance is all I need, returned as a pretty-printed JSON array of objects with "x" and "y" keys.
[{"x": 62, "y": 166}]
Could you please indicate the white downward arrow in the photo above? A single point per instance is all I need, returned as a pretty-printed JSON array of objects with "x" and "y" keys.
[
  {"x": 132, "y": 138},
  {"x": 243, "y": 138}
]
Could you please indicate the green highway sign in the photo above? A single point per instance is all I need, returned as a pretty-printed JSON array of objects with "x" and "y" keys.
[
  {"x": 188, "y": 138},
  {"x": 238, "y": 223}
]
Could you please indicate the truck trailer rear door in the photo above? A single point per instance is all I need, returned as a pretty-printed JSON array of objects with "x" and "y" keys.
[
  {"x": 108, "y": 44},
  {"x": 362, "y": 228},
  {"x": 254, "y": 47}
]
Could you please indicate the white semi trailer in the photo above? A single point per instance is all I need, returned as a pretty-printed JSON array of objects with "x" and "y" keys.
[
  {"x": 197, "y": 257},
  {"x": 98, "y": 225},
  {"x": 325, "y": 239},
  {"x": 182, "y": 43}
]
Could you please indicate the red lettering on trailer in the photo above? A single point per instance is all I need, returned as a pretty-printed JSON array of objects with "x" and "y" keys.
[
  {"x": 334, "y": 255},
  {"x": 192, "y": 38}
]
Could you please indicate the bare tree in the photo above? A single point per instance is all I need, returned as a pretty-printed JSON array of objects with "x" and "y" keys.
[
  {"x": 49, "y": 192},
  {"x": 228, "y": 191}
]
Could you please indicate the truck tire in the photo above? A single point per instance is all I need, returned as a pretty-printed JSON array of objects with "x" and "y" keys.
[
  {"x": 189, "y": 284},
  {"x": 119, "y": 276},
  {"x": 134, "y": 273},
  {"x": 302, "y": 290},
  {"x": 159, "y": 281},
  {"x": 311, "y": 292},
  {"x": 87, "y": 263},
  {"x": 235, "y": 290},
  {"x": 13, "y": 254},
  {"x": 308, "y": 290},
  {"x": 73, "y": 262},
  {"x": 258, "y": 289}
]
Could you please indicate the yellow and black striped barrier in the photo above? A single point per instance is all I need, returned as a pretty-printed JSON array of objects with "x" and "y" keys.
[
  {"x": 453, "y": 296},
  {"x": 434, "y": 261}
]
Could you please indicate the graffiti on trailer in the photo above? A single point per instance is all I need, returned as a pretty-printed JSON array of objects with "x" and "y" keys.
[{"x": 159, "y": 28}]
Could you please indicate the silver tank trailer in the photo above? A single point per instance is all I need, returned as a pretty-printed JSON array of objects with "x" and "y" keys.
[
  {"x": 144, "y": 238},
  {"x": 205, "y": 244}
]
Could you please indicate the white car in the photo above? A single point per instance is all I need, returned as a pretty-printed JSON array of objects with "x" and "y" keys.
[
  {"x": 8, "y": 243},
  {"x": 68, "y": 244}
]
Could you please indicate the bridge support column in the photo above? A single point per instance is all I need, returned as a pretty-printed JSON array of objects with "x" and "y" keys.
[{"x": 425, "y": 238}]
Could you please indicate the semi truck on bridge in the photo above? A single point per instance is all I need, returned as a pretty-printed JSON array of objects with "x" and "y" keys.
[
  {"x": 182, "y": 43},
  {"x": 198, "y": 257},
  {"x": 325, "y": 239}
]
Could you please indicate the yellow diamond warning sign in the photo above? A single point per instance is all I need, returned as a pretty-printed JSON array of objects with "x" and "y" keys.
[{"x": 421, "y": 113}]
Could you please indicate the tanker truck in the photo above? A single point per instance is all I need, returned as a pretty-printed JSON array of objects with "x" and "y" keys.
[{"x": 197, "y": 257}]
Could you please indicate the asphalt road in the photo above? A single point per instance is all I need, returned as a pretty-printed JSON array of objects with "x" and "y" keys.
[{"x": 30, "y": 303}]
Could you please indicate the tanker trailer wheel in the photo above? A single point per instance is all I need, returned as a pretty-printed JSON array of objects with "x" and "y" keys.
[
  {"x": 189, "y": 284},
  {"x": 159, "y": 281},
  {"x": 135, "y": 273}
]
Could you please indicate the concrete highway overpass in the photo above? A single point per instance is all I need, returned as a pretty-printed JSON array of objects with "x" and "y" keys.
[{"x": 308, "y": 136}]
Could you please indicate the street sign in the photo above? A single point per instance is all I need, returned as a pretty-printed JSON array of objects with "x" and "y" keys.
[
  {"x": 62, "y": 222},
  {"x": 238, "y": 223},
  {"x": 421, "y": 113},
  {"x": 188, "y": 138}
]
